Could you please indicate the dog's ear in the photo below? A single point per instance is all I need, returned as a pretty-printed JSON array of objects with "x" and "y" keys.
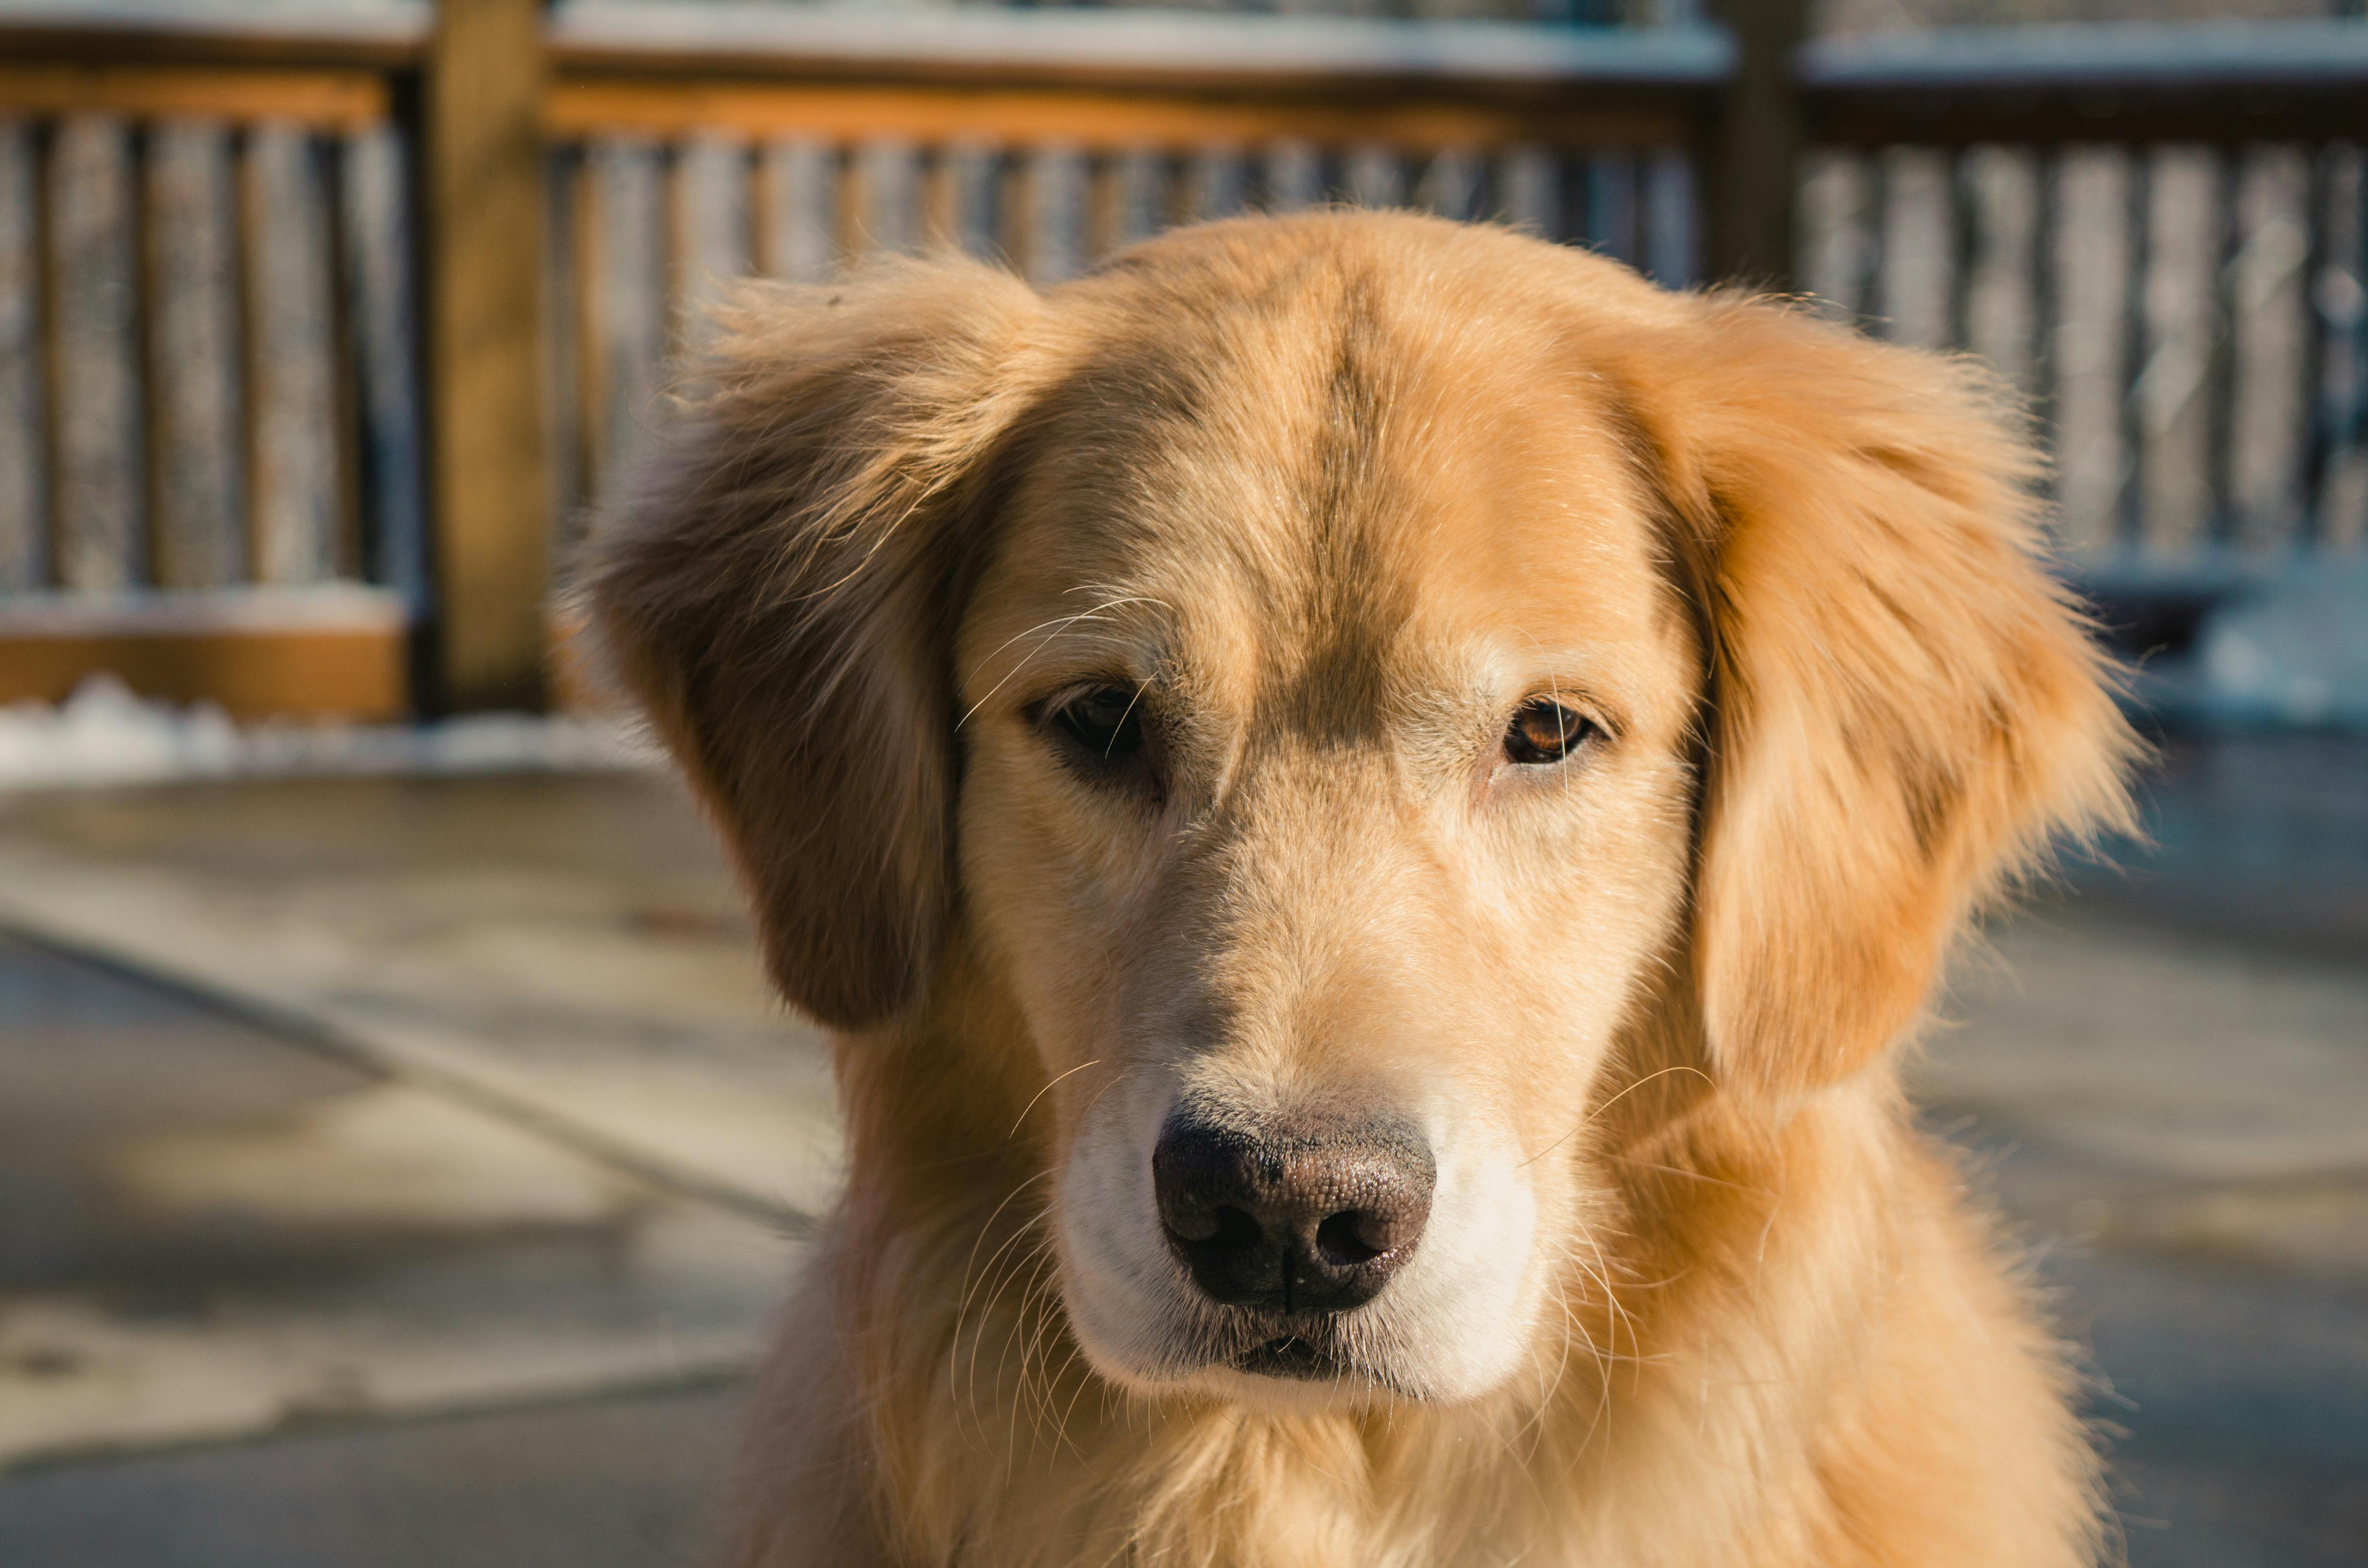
[
  {"x": 773, "y": 585},
  {"x": 1905, "y": 707}
]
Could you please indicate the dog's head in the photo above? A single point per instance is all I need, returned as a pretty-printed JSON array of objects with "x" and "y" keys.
[{"x": 1335, "y": 678}]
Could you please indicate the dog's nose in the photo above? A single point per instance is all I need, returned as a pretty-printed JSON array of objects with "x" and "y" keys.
[{"x": 1315, "y": 1224}]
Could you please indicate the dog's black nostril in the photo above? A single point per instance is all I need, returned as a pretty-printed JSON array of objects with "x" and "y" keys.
[
  {"x": 1235, "y": 1230},
  {"x": 1340, "y": 1241},
  {"x": 1308, "y": 1224}
]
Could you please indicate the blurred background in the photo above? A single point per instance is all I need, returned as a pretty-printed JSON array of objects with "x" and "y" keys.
[{"x": 399, "y": 1155}]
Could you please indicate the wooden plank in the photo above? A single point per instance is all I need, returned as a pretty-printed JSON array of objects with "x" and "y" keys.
[
  {"x": 343, "y": 99},
  {"x": 2138, "y": 345},
  {"x": 1145, "y": 49},
  {"x": 711, "y": 227},
  {"x": 24, "y": 544},
  {"x": 2129, "y": 118},
  {"x": 94, "y": 357},
  {"x": 563, "y": 253},
  {"x": 2278, "y": 55},
  {"x": 1528, "y": 184},
  {"x": 626, "y": 350},
  {"x": 304, "y": 673},
  {"x": 1673, "y": 250},
  {"x": 291, "y": 383},
  {"x": 194, "y": 444},
  {"x": 797, "y": 180},
  {"x": 1451, "y": 185},
  {"x": 585, "y": 106},
  {"x": 1216, "y": 183},
  {"x": 1294, "y": 175},
  {"x": 379, "y": 236},
  {"x": 1756, "y": 148},
  {"x": 1913, "y": 299},
  {"x": 1054, "y": 247},
  {"x": 1130, "y": 200},
  {"x": 1612, "y": 225},
  {"x": 173, "y": 33},
  {"x": 883, "y": 197},
  {"x": 969, "y": 180},
  {"x": 488, "y": 492},
  {"x": 1375, "y": 176}
]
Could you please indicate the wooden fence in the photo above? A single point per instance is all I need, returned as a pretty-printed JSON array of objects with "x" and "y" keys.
[
  {"x": 2160, "y": 233},
  {"x": 316, "y": 344},
  {"x": 208, "y": 430},
  {"x": 666, "y": 174}
]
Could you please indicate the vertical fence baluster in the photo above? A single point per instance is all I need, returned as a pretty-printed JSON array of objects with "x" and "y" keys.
[
  {"x": 1133, "y": 184},
  {"x": 1612, "y": 225},
  {"x": 1216, "y": 183},
  {"x": 884, "y": 197},
  {"x": 24, "y": 555},
  {"x": 563, "y": 251},
  {"x": 1874, "y": 257},
  {"x": 2223, "y": 323},
  {"x": 2318, "y": 222},
  {"x": 378, "y": 237},
  {"x": 1966, "y": 237},
  {"x": 1823, "y": 231},
  {"x": 1294, "y": 175},
  {"x": 1915, "y": 246},
  {"x": 1376, "y": 175},
  {"x": 199, "y": 518},
  {"x": 1528, "y": 185},
  {"x": 2047, "y": 311},
  {"x": 1451, "y": 185},
  {"x": 629, "y": 288},
  {"x": 2355, "y": 424},
  {"x": 709, "y": 228},
  {"x": 1054, "y": 244},
  {"x": 1672, "y": 218},
  {"x": 95, "y": 358},
  {"x": 970, "y": 174},
  {"x": 2138, "y": 234},
  {"x": 291, "y": 395},
  {"x": 797, "y": 196}
]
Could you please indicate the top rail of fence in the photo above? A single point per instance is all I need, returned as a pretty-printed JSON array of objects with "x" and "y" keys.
[
  {"x": 393, "y": 34},
  {"x": 2303, "y": 80},
  {"x": 1131, "y": 48}
]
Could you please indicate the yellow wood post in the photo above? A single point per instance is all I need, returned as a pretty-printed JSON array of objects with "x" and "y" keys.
[{"x": 483, "y": 222}]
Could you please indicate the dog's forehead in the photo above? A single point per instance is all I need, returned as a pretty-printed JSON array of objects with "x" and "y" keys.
[{"x": 1313, "y": 485}]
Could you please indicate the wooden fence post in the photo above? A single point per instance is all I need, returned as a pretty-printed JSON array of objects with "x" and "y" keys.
[
  {"x": 1757, "y": 145},
  {"x": 484, "y": 231}
]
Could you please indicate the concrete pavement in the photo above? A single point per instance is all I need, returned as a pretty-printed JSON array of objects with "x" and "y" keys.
[{"x": 431, "y": 1219}]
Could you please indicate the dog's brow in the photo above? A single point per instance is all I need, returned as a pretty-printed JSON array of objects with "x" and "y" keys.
[{"x": 1051, "y": 629}]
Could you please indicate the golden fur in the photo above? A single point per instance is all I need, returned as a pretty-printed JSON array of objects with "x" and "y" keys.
[{"x": 1332, "y": 494}]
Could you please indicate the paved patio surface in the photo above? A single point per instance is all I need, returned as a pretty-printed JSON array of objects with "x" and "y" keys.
[{"x": 408, "y": 1166}]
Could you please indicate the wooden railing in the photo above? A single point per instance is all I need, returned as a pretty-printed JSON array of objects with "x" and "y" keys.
[
  {"x": 316, "y": 344},
  {"x": 1046, "y": 139},
  {"x": 208, "y": 428},
  {"x": 2162, "y": 233}
]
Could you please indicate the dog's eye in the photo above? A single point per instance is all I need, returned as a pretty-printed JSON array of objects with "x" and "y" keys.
[
  {"x": 1545, "y": 731},
  {"x": 1104, "y": 722}
]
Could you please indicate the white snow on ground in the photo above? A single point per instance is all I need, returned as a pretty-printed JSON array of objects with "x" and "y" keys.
[{"x": 105, "y": 734}]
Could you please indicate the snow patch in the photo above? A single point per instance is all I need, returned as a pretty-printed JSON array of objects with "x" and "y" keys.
[{"x": 103, "y": 733}]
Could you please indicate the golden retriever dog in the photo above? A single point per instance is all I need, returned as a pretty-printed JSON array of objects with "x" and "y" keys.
[{"x": 1368, "y": 804}]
